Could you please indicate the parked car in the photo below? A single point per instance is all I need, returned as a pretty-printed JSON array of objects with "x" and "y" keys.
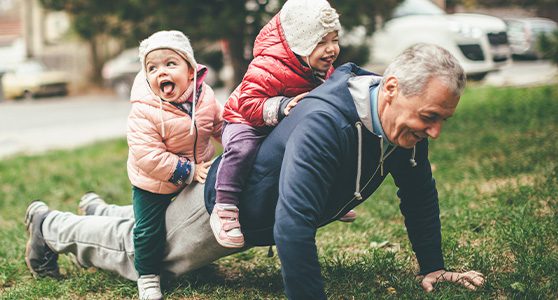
[
  {"x": 119, "y": 72},
  {"x": 31, "y": 79},
  {"x": 479, "y": 42},
  {"x": 524, "y": 34}
]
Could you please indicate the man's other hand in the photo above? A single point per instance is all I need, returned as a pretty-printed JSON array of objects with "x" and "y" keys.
[{"x": 469, "y": 279}]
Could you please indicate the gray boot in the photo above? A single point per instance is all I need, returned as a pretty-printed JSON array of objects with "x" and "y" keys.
[
  {"x": 40, "y": 259},
  {"x": 89, "y": 202}
]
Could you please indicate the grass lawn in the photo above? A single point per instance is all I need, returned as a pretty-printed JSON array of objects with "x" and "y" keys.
[{"x": 497, "y": 176}]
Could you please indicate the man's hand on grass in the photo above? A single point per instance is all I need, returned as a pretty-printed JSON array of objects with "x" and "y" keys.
[{"x": 469, "y": 279}]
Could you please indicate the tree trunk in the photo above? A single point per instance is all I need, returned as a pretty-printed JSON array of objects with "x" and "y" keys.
[
  {"x": 97, "y": 65},
  {"x": 29, "y": 34},
  {"x": 239, "y": 62}
]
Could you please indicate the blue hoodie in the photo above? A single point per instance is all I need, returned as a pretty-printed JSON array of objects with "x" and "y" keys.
[{"x": 320, "y": 162}]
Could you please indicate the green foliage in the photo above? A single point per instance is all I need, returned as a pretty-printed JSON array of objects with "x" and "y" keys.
[
  {"x": 506, "y": 3},
  {"x": 358, "y": 54},
  {"x": 363, "y": 13},
  {"x": 548, "y": 44},
  {"x": 497, "y": 178},
  {"x": 236, "y": 22}
]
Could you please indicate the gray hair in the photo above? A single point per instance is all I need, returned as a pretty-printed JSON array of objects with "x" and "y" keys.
[{"x": 418, "y": 64}]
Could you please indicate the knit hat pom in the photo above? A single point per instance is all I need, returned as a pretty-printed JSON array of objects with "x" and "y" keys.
[
  {"x": 306, "y": 22},
  {"x": 168, "y": 39}
]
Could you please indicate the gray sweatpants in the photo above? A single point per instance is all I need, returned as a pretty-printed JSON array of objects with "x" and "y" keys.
[{"x": 104, "y": 240}]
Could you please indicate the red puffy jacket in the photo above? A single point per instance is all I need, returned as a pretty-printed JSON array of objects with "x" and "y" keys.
[{"x": 274, "y": 71}]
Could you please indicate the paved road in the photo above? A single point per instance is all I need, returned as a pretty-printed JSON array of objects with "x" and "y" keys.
[
  {"x": 60, "y": 123},
  {"x": 523, "y": 73},
  {"x": 54, "y": 123},
  {"x": 38, "y": 125}
]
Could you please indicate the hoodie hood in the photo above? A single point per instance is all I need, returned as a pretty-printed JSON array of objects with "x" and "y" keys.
[
  {"x": 352, "y": 84},
  {"x": 359, "y": 87}
]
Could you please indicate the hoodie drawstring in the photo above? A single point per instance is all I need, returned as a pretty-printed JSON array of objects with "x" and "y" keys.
[
  {"x": 412, "y": 160},
  {"x": 359, "y": 162},
  {"x": 381, "y": 155}
]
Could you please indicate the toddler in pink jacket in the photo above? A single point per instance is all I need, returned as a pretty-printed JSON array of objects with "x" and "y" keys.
[{"x": 174, "y": 114}]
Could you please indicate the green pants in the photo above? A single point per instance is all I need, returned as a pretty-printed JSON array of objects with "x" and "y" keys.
[{"x": 149, "y": 230}]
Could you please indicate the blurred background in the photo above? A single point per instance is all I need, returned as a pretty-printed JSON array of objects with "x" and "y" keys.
[
  {"x": 94, "y": 43},
  {"x": 78, "y": 58}
]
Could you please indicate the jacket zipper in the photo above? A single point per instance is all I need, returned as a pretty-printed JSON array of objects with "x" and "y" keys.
[{"x": 195, "y": 142}]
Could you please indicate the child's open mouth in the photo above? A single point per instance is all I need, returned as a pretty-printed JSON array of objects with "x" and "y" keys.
[
  {"x": 328, "y": 59},
  {"x": 167, "y": 87}
]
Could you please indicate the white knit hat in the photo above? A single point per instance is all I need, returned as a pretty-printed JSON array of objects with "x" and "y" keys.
[
  {"x": 178, "y": 42},
  {"x": 168, "y": 39},
  {"x": 306, "y": 22}
]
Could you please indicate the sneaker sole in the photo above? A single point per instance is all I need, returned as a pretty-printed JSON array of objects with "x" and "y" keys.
[
  {"x": 87, "y": 199},
  {"x": 27, "y": 261},
  {"x": 347, "y": 220},
  {"x": 214, "y": 223},
  {"x": 29, "y": 225}
]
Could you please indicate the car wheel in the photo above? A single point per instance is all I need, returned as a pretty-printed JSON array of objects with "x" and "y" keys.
[
  {"x": 27, "y": 95},
  {"x": 477, "y": 76},
  {"x": 64, "y": 91},
  {"x": 122, "y": 89}
]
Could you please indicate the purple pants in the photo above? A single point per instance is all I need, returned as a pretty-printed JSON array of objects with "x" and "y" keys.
[{"x": 241, "y": 143}]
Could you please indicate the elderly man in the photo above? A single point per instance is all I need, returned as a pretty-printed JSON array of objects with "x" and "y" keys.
[{"x": 331, "y": 152}]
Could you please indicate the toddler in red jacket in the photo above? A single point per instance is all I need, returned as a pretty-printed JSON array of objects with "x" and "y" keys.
[{"x": 293, "y": 54}]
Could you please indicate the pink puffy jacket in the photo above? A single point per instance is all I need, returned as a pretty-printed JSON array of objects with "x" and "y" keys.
[{"x": 152, "y": 158}]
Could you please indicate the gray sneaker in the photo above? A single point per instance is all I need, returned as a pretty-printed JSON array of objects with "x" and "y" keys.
[
  {"x": 89, "y": 202},
  {"x": 40, "y": 259}
]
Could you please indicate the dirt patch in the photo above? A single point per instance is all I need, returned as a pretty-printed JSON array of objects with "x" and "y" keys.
[
  {"x": 492, "y": 185},
  {"x": 545, "y": 208}
]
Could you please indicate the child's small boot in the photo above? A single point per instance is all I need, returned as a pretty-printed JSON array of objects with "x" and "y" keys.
[
  {"x": 149, "y": 287},
  {"x": 225, "y": 226},
  {"x": 349, "y": 217}
]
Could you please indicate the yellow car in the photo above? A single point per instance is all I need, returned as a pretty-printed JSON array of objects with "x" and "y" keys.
[{"x": 31, "y": 78}]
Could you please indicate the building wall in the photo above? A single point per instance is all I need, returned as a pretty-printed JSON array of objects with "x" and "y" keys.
[{"x": 47, "y": 37}]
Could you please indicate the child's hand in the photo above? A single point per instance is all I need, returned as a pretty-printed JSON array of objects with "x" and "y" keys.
[
  {"x": 293, "y": 103},
  {"x": 201, "y": 171}
]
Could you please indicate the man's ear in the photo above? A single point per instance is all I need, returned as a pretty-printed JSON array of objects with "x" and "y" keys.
[{"x": 390, "y": 88}]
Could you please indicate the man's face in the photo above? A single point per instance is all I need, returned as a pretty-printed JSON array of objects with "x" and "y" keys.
[
  {"x": 168, "y": 74},
  {"x": 325, "y": 53},
  {"x": 408, "y": 120}
]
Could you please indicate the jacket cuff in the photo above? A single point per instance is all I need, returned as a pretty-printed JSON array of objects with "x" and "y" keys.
[
  {"x": 183, "y": 172},
  {"x": 282, "y": 107},
  {"x": 190, "y": 177},
  {"x": 271, "y": 110},
  {"x": 430, "y": 259}
]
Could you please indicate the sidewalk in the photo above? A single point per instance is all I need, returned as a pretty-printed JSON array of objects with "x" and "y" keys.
[
  {"x": 524, "y": 73},
  {"x": 39, "y": 125}
]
